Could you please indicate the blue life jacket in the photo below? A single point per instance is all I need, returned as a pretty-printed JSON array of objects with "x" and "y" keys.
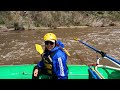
[{"x": 54, "y": 62}]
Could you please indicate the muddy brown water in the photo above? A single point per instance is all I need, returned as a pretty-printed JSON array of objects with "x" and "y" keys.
[{"x": 18, "y": 47}]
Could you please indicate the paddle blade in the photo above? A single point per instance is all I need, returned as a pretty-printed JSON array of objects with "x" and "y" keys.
[
  {"x": 76, "y": 39},
  {"x": 39, "y": 48}
]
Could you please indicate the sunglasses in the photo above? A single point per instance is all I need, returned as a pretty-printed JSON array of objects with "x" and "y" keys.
[{"x": 49, "y": 42}]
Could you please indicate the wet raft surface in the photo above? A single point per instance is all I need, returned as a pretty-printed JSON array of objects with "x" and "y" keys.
[{"x": 18, "y": 47}]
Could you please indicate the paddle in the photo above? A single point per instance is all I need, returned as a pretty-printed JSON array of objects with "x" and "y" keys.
[
  {"x": 103, "y": 54},
  {"x": 66, "y": 51},
  {"x": 39, "y": 48},
  {"x": 61, "y": 46}
]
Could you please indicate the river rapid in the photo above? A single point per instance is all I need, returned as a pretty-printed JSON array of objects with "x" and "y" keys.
[{"x": 18, "y": 47}]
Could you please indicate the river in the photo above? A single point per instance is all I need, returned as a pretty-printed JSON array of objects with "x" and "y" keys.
[{"x": 18, "y": 47}]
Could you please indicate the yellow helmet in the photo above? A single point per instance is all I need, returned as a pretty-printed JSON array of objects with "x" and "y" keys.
[{"x": 50, "y": 36}]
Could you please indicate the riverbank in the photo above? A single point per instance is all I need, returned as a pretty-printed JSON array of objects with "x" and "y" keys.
[{"x": 27, "y": 20}]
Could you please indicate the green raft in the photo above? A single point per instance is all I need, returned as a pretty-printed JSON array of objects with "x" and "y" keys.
[
  {"x": 25, "y": 72},
  {"x": 75, "y": 72}
]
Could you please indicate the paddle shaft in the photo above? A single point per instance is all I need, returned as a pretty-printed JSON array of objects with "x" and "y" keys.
[
  {"x": 64, "y": 50},
  {"x": 100, "y": 52}
]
